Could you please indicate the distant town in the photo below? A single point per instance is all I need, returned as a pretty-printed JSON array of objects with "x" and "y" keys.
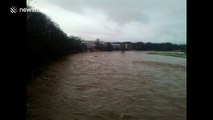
[{"x": 95, "y": 45}]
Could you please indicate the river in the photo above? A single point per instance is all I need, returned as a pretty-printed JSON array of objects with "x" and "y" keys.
[{"x": 110, "y": 86}]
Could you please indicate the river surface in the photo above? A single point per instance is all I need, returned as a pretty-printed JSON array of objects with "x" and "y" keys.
[{"x": 110, "y": 86}]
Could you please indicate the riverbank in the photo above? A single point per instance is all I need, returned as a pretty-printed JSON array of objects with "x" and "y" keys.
[{"x": 169, "y": 53}]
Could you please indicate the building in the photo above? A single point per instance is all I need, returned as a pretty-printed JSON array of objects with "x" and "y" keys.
[
  {"x": 116, "y": 46},
  {"x": 88, "y": 45}
]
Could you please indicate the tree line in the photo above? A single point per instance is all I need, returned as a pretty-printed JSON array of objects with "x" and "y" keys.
[
  {"x": 158, "y": 46},
  {"x": 139, "y": 46},
  {"x": 46, "y": 42}
]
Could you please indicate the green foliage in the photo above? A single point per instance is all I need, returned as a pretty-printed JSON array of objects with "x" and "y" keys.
[{"x": 169, "y": 53}]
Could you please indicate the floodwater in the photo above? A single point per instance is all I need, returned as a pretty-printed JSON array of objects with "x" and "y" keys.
[{"x": 110, "y": 86}]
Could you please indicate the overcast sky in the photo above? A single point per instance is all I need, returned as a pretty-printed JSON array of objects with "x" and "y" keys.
[{"x": 119, "y": 20}]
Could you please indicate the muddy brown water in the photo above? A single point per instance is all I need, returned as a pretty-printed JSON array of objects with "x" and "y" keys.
[{"x": 110, "y": 86}]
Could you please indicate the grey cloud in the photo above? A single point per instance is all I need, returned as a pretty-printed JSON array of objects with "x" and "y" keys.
[
  {"x": 166, "y": 18},
  {"x": 122, "y": 11}
]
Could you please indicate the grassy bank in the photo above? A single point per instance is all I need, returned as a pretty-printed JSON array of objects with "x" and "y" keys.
[{"x": 169, "y": 53}]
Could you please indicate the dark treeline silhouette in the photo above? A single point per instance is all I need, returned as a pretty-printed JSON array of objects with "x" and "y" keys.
[
  {"x": 159, "y": 46},
  {"x": 46, "y": 42},
  {"x": 140, "y": 46}
]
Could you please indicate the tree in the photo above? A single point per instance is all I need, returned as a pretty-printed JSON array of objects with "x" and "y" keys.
[
  {"x": 46, "y": 41},
  {"x": 97, "y": 43}
]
